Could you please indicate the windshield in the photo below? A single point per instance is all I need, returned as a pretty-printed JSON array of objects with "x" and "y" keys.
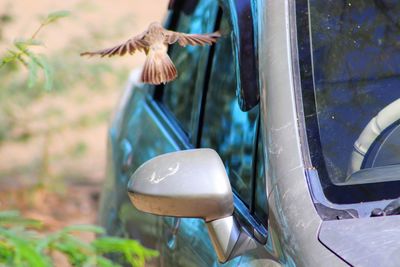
[{"x": 350, "y": 68}]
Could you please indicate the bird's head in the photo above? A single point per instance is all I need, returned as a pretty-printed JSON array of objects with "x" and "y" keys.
[{"x": 155, "y": 26}]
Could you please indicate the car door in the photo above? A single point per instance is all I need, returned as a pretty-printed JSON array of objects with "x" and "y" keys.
[
  {"x": 233, "y": 133},
  {"x": 177, "y": 99},
  {"x": 155, "y": 120}
]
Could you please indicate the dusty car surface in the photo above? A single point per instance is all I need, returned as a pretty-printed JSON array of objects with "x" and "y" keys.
[{"x": 277, "y": 146}]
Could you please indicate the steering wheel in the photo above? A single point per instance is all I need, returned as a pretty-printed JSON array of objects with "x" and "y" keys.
[{"x": 386, "y": 117}]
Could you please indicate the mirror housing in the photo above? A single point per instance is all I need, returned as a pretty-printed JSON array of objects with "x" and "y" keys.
[
  {"x": 192, "y": 184},
  {"x": 189, "y": 183}
]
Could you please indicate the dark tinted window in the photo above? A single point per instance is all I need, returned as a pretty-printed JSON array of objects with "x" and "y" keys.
[
  {"x": 227, "y": 129},
  {"x": 355, "y": 54},
  {"x": 183, "y": 95},
  {"x": 356, "y": 59},
  {"x": 260, "y": 198}
]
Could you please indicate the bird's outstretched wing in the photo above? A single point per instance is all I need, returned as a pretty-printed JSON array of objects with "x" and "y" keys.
[
  {"x": 137, "y": 43},
  {"x": 184, "y": 39}
]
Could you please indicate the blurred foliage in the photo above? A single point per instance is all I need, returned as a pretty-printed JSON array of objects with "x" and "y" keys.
[
  {"x": 21, "y": 244},
  {"x": 5, "y": 18},
  {"x": 24, "y": 75},
  {"x": 21, "y": 52},
  {"x": 79, "y": 149},
  {"x": 61, "y": 70}
]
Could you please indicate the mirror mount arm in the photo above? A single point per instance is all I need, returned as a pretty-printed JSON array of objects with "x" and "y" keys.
[{"x": 229, "y": 239}]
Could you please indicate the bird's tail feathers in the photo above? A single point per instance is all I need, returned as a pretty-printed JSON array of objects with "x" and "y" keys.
[{"x": 158, "y": 68}]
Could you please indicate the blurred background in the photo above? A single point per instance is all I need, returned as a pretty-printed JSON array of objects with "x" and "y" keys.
[{"x": 52, "y": 142}]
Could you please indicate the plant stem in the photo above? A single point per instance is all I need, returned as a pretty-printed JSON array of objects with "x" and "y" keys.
[
  {"x": 17, "y": 56},
  {"x": 37, "y": 31}
]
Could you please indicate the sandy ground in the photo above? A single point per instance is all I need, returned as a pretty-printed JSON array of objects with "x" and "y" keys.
[{"x": 66, "y": 150}]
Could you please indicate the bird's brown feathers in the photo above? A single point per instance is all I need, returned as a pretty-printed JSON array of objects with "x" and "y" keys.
[
  {"x": 158, "y": 67},
  {"x": 134, "y": 44},
  {"x": 184, "y": 39}
]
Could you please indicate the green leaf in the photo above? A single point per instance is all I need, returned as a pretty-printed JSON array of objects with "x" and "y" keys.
[
  {"x": 36, "y": 58},
  {"x": 48, "y": 74},
  {"x": 21, "y": 247},
  {"x": 21, "y": 46},
  {"x": 14, "y": 218},
  {"x": 74, "y": 249},
  {"x": 22, "y": 60},
  {"x": 54, "y": 16},
  {"x": 10, "y": 57},
  {"x": 132, "y": 250},
  {"x": 41, "y": 61},
  {"x": 45, "y": 66},
  {"x": 24, "y": 251},
  {"x": 55, "y": 237},
  {"x": 27, "y": 42},
  {"x": 7, "y": 214},
  {"x": 103, "y": 262},
  {"x": 33, "y": 67}
]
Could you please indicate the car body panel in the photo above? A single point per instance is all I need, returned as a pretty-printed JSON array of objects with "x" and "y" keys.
[
  {"x": 294, "y": 224},
  {"x": 379, "y": 247},
  {"x": 138, "y": 131}
]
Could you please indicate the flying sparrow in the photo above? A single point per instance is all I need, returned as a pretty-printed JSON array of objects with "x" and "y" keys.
[{"x": 158, "y": 67}]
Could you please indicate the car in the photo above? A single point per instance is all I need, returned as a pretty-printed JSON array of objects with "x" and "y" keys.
[{"x": 277, "y": 146}]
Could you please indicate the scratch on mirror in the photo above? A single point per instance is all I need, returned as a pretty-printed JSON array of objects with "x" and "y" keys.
[{"x": 172, "y": 171}]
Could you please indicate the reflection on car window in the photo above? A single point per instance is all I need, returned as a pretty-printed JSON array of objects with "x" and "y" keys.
[
  {"x": 356, "y": 59},
  {"x": 190, "y": 62},
  {"x": 260, "y": 207},
  {"x": 227, "y": 129},
  {"x": 350, "y": 69}
]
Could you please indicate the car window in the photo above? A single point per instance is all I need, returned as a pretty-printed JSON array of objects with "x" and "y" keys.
[
  {"x": 356, "y": 74},
  {"x": 191, "y": 62},
  {"x": 350, "y": 73},
  {"x": 226, "y": 128},
  {"x": 260, "y": 197}
]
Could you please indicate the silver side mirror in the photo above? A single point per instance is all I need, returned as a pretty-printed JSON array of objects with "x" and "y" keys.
[{"x": 192, "y": 184}]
